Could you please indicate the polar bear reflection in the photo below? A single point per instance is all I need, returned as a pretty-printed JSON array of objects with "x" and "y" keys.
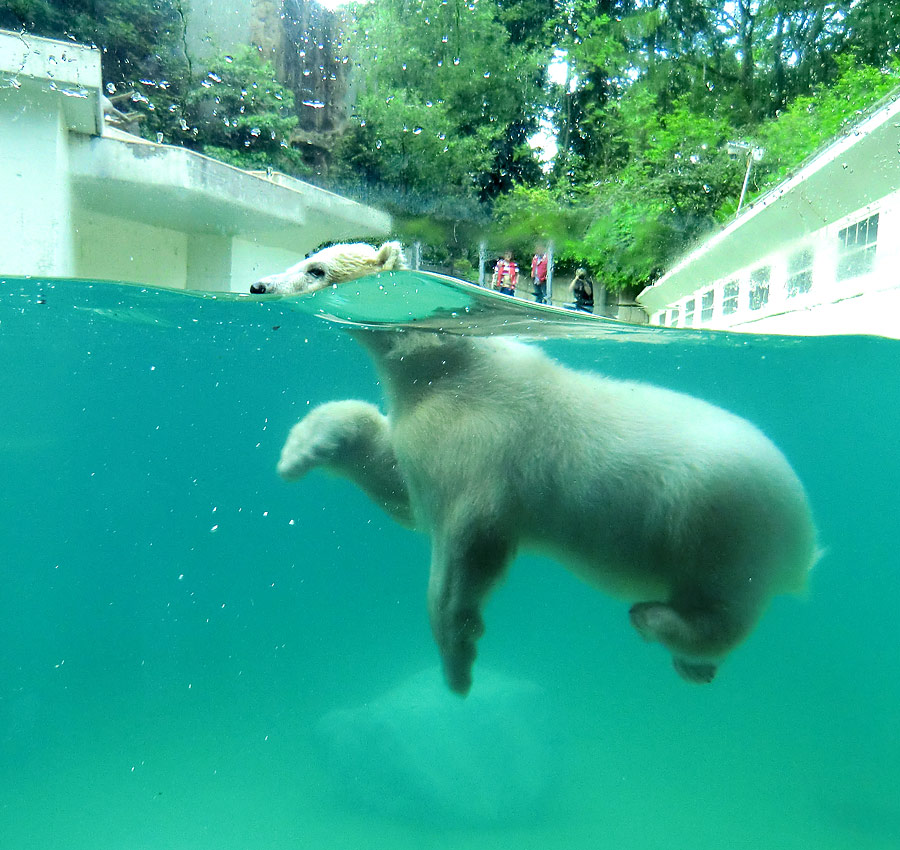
[{"x": 678, "y": 506}]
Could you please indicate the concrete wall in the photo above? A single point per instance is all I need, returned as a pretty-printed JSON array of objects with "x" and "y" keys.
[
  {"x": 108, "y": 248},
  {"x": 35, "y": 232},
  {"x": 249, "y": 264}
]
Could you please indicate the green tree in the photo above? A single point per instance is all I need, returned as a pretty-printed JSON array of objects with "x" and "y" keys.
[
  {"x": 457, "y": 60},
  {"x": 242, "y": 114},
  {"x": 138, "y": 39}
]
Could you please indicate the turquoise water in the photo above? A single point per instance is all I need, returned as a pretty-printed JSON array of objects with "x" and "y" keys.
[{"x": 176, "y": 622}]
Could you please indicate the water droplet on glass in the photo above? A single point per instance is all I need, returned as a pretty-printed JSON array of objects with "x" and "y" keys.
[
  {"x": 444, "y": 39},
  {"x": 254, "y": 131},
  {"x": 487, "y": 74},
  {"x": 110, "y": 88},
  {"x": 417, "y": 131},
  {"x": 456, "y": 60},
  {"x": 229, "y": 59}
]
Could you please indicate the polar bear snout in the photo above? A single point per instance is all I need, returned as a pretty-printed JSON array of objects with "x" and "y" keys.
[{"x": 257, "y": 289}]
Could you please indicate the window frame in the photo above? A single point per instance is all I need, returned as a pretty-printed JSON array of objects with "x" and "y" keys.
[{"x": 856, "y": 247}]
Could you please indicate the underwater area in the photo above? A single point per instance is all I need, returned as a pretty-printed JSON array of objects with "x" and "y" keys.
[{"x": 195, "y": 655}]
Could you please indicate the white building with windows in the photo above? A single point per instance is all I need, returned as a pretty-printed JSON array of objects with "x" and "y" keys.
[{"x": 818, "y": 254}]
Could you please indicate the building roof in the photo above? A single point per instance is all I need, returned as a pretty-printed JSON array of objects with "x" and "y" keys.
[{"x": 856, "y": 169}]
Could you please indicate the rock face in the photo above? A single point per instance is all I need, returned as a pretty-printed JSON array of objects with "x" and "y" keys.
[
  {"x": 421, "y": 753},
  {"x": 305, "y": 42}
]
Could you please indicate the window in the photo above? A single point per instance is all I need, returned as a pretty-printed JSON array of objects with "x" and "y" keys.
[
  {"x": 706, "y": 309},
  {"x": 856, "y": 248},
  {"x": 799, "y": 272},
  {"x": 759, "y": 288},
  {"x": 673, "y": 317},
  {"x": 689, "y": 312},
  {"x": 730, "y": 299}
]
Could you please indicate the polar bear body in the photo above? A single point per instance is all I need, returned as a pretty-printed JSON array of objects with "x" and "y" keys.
[{"x": 490, "y": 447}]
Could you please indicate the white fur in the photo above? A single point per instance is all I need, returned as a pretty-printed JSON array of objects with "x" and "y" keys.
[
  {"x": 331, "y": 266},
  {"x": 490, "y": 446}
]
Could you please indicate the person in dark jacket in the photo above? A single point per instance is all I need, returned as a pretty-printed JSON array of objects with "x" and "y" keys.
[{"x": 582, "y": 289}]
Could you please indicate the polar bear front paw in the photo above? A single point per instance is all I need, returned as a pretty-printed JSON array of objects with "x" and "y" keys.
[{"x": 329, "y": 436}]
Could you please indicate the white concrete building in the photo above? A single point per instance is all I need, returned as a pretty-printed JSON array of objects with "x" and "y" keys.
[
  {"x": 818, "y": 254},
  {"x": 81, "y": 199}
]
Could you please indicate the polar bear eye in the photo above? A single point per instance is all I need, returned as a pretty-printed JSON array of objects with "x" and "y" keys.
[{"x": 317, "y": 271}]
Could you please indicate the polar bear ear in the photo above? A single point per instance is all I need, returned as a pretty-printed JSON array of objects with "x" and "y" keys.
[{"x": 390, "y": 256}]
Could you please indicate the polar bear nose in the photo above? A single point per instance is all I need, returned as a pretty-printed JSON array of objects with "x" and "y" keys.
[{"x": 257, "y": 288}]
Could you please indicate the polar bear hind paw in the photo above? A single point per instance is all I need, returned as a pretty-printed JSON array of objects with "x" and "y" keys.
[
  {"x": 694, "y": 671},
  {"x": 693, "y": 639}
]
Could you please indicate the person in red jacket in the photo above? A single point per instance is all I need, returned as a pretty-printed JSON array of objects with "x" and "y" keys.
[
  {"x": 506, "y": 274},
  {"x": 539, "y": 275}
]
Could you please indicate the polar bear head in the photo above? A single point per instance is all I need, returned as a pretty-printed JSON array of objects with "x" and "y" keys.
[{"x": 331, "y": 266}]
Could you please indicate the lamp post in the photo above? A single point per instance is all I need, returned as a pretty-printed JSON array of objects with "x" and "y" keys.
[{"x": 754, "y": 154}]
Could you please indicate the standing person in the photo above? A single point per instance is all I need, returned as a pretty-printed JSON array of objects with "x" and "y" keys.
[
  {"x": 539, "y": 275},
  {"x": 506, "y": 274},
  {"x": 582, "y": 289}
]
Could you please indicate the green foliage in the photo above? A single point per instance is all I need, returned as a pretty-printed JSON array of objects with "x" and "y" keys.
[
  {"x": 138, "y": 38},
  {"x": 813, "y": 119},
  {"x": 450, "y": 92},
  {"x": 243, "y": 113}
]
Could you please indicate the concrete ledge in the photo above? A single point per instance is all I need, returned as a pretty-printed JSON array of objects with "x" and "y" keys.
[
  {"x": 69, "y": 72},
  {"x": 178, "y": 189}
]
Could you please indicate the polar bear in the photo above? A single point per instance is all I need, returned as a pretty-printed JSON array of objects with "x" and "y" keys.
[
  {"x": 685, "y": 510},
  {"x": 331, "y": 266}
]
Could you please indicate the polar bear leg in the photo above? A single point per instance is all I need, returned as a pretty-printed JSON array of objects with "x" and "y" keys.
[
  {"x": 697, "y": 635},
  {"x": 353, "y": 439},
  {"x": 465, "y": 565}
]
